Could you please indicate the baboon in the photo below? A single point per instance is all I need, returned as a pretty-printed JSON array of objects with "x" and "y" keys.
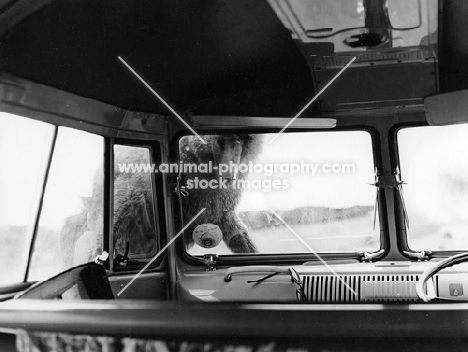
[
  {"x": 81, "y": 238},
  {"x": 220, "y": 203}
]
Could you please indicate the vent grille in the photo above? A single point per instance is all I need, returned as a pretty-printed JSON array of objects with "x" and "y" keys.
[
  {"x": 367, "y": 288},
  {"x": 390, "y": 288},
  {"x": 328, "y": 288},
  {"x": 416, "y": 55}
]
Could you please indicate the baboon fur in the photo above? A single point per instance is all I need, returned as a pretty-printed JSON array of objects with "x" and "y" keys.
[
  {"x": 220, "y": 204},
  {"x": 81, "y": 238}
]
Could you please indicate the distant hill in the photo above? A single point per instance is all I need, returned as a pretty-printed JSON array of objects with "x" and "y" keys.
[{"x": 301, "y": 216}]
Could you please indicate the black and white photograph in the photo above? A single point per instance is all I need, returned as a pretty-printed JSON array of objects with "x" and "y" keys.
[{"x": 233, "y": 175}]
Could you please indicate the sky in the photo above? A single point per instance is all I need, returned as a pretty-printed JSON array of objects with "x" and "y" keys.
[
  {"x": 330, "y": 190},
  {"x": 436, "y": 173},
  {"x": 24, "y": 149}
]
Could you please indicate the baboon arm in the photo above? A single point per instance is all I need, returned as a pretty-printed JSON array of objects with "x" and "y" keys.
[{"x": 236, "y": 235}]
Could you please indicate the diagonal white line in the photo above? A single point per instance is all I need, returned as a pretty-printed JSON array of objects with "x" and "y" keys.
[
  {"x": 313, "y": 99},
  {"x": 314, "y": 252},
  {"x": 161, "y": 99},
  {"x": 160, "y": 252}
]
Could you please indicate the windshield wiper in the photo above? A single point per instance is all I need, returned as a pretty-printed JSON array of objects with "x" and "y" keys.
[
  {"x": 263, "y": 278},
  {"x": 421, "y": 255},
  {"x": 319, "y": 30},
  {"x": 254, "y": 269},
  {"x": 370, "y": 256}
]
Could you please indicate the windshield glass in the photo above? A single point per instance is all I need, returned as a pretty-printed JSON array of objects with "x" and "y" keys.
[
  {"x": 76, "y": 167},
  {"x": 25, "y": 147},
  {"x": 434, "y": 167},
  {"x": 304, "y": 191}
]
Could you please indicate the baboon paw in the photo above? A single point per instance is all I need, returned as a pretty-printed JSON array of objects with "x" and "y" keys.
[{"x": 241, "y": 243}]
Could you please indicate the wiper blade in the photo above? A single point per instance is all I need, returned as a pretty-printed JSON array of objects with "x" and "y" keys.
[
  {"x": 319, "y": 30},
  {"x": 263, "y": 278},
  {"x": 254, "y": 269}
]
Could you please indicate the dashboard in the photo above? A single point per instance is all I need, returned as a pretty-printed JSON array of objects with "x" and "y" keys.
[{"x": 350, "y": 282}]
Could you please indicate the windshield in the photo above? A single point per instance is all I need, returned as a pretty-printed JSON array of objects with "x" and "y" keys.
[
  {"x": 304, "y": 191},
  {"x": 25, "y": 147},
  {"x": 35, "y": 216},
  {"x": 434, "y": 167},
  {"x": 69, "y": 188}
]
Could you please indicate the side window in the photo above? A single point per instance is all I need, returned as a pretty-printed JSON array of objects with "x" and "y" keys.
[
  {"x": 71, "y": 221},
  {"x": 25, "y": 147},
  {"x": 134, "y": 207},
  {"x": 434, "y": 167}
]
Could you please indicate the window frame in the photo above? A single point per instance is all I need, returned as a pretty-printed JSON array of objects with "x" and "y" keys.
[
  {"x": 402, "y": 236},
  {"x": 134, "y": 263},
  {"x": 290, "y": 258}
]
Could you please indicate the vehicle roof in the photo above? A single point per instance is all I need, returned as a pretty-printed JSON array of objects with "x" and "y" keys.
[{"x": 216, "y": 57}]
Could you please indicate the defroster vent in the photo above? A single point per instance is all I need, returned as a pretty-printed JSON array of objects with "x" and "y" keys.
[{"x": 360, "y": 288}]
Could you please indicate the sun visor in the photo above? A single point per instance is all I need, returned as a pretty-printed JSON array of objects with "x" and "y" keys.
[
  {"x": 258, "y": 122},
  {"x": 44, "y": 103},
  {"x": 447, "y": 109}
]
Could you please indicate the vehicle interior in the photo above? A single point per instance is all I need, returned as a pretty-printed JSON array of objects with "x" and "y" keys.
[{"x": 274, "y": 175}]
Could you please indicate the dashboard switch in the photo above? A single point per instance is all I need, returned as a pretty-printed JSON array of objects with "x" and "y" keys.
[{"x": 456, "y": 289}]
